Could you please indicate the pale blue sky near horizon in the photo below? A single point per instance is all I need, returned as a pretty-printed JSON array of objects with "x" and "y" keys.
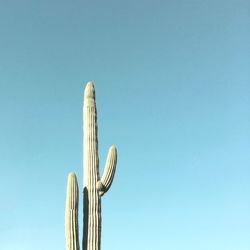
[{"x": 173, "y": 93}]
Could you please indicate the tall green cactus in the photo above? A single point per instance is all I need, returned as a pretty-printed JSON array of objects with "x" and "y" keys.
[{"x": 94, "y": 186}]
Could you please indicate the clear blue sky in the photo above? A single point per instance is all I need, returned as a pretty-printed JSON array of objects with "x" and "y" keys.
[{"x": 173, "y": 93}]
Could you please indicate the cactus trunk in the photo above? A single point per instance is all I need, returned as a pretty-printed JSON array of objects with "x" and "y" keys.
[{"x": 92, "y": 201}]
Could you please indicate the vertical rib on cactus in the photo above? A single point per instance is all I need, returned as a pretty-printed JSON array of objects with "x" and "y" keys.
[
  {"x": 71, "y": 213},
  {"x": 93, "y": 186}
]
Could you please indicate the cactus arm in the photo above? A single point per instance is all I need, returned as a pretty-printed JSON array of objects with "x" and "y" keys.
[
  {"x": 104, "y": 184},
  {"x": 71, "y": 213}
]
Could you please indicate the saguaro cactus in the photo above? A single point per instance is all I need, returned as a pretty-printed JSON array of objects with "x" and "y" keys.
[{"x": 94, "y": 186}]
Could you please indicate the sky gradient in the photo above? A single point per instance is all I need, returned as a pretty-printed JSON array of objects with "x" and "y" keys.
[{"x": 173, "y": 93}]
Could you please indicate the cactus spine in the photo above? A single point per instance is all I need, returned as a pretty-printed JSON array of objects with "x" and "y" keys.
[{"x": 94, "y": 186}]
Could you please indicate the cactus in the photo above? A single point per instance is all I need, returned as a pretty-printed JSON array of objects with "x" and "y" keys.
[{"x": 94, "y": 186}]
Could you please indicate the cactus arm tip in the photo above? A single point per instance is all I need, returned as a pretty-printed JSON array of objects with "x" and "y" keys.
[{"x": 71, "y": 175}]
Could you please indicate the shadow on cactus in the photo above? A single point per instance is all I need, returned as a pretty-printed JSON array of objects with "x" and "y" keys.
[{"x": 94, "y": 186}]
